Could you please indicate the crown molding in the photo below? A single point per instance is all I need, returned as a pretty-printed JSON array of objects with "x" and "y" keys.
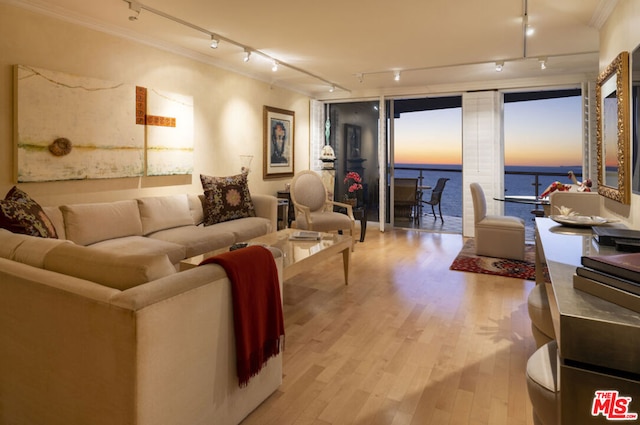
[
  {"x": 92, "y": 24},
  {"x": 558, "y": 81},
  {"x": 602, "y": 13}
]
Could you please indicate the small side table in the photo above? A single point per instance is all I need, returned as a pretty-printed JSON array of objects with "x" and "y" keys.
[
  {"x": 284, "y": 194},
  {"x": 359, "y": 213},
  {"x": 283, "y": 213}
]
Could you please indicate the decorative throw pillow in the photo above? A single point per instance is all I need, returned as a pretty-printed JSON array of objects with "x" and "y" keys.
[
  {"x": 21, "y": 214},
  {"x": 226, "y": 198}
]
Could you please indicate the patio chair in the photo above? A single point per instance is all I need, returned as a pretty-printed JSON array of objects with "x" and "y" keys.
[
  {"x": 498, "y": 236},
  {"x": 313, "y": 211},
  {"x": 406, "y": 199},
  {"x": 436, "y": 196}
]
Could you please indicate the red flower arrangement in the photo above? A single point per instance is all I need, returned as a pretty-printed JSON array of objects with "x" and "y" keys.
[{"x": 354, "y": 181}]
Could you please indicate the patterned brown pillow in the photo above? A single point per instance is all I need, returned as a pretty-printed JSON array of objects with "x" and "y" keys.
[
  {"x": 226, "y": 198},
  {"x": 21, "y": 214}
]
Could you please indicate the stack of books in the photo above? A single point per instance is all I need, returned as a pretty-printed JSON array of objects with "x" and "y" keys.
[
  {"x": 305, "y": 235},
  {"x": 615, "y": 278},
  {"x": 621, "y": 238}
]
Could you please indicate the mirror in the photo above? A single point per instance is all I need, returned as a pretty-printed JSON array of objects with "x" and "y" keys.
[
  {"x": 612, "y": 110},
  {"x": 635, "y": 118}
]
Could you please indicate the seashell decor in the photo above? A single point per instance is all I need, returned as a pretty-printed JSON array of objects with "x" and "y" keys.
[
  {"x": 566, "y": 211},
  {"x": 60, "y": 147}
]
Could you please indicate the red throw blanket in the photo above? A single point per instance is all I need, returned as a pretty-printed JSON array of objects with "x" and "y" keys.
[{"x": 257, "y": 307}]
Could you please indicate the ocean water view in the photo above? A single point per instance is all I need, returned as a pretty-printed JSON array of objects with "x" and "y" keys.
[{"x": 515, "y": 184}]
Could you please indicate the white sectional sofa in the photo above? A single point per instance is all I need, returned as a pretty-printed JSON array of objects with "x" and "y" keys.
[
  {"x": 169, "y": 225},
  {"x": 99, "y": 327}
]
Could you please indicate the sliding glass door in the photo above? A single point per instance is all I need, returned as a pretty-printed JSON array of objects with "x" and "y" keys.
[
  {"x": 354, "y": 138},
  {"x": 422, "y": 143},
  {"x": 421, "y": 139},
  {"x": 427, "y": 146}
]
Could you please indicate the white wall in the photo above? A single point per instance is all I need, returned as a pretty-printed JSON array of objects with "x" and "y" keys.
[{"x": 227, "y": 106}]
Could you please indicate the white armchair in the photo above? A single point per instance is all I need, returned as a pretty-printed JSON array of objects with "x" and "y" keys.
[
  {"x": 496, "y": 235},
  {"x": 313, "y": 210}
]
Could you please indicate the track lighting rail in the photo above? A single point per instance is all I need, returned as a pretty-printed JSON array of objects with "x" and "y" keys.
[{"x": 137, "y": 7}]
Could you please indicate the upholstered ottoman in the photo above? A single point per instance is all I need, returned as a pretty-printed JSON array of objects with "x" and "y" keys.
[
  {"x": 542, "y": 384},
  {"x": 540, "y": 315}
]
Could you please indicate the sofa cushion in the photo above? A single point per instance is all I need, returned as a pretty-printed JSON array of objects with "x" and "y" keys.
[
  {"x": 90, "y": 223},
  {"x": 115, "y": 270},
  {"x": 26, "y": 249},
  {"x": 226, "y": 198},
  {"x": 197, "y": 240},
  {"x": 247, "y": 228},
  {"x": 9, "y": 241},
  {"x": 196, "y": 205},
  {"x": 164, "y": 212},
  {"x": 21, "y": 214},
  {"x": 33, "y": 250},
  {"x": 140, "y": 245},
  {"x": 55, "y": 215}
]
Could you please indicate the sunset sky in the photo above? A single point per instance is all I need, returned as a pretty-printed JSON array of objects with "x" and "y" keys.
[{"x": 538, "y": 133}]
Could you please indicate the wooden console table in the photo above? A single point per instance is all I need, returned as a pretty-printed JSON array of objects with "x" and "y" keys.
[{"x": 598, "y": 341}]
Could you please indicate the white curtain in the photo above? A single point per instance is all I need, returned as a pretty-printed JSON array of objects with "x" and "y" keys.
[
  {"x": 482, "y": 152},
  {"x": 316, "y": 133}
]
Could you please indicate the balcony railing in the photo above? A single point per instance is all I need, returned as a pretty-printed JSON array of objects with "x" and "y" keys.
[
  {"x": 536, "y": 185},
  {"x": 521, "y": 182}
]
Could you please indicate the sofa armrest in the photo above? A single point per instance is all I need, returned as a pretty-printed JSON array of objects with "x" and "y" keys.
[
  {"x": 161, "y": 352},
  {"x": 267, "y": 207},
  {"x": 163, "y": 289},
  {"x": 186, "y": 341}
]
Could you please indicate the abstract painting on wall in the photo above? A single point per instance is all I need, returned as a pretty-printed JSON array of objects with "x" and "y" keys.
[
  {"x": 73, "y": 128},
  {"x": 169, "y": 122}
]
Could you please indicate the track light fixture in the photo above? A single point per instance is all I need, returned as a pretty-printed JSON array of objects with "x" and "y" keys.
[
  {"x": 499, "y": 66},
  {"x": 331, "y": 89},
  {"x": 136, "y": 7},
  {"x": 543, "y": 63},
  {"x": 396, "y": 76},
  {"x": 274, "y": 68},
  {"x": 214, "y": 41},
  {"x": 360, "y": 77}
]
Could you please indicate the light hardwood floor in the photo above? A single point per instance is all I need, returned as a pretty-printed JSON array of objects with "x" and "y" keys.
[{"x": 407, "y": 342}]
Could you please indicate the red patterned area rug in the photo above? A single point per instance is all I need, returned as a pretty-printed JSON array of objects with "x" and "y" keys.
[{"x": 468, "y": 261}]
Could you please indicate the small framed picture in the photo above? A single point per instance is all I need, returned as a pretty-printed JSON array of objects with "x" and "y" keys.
[{"x": 279, "y": 125}]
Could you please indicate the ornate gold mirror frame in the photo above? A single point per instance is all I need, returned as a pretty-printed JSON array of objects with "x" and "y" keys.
[{"x": 612, "y": 110}]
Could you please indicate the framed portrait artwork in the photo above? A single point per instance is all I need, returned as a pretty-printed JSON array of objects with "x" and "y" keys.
[
  {"x": 279, "y": 125},
  {"x": 352, "y": 137},
  {"x": 352, "y": 147}
]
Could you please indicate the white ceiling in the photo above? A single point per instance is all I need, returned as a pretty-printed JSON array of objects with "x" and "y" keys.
[{"x": 438, "y": 45}]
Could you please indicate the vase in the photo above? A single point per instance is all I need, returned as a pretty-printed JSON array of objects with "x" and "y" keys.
[{"x": 351, "y": 201}]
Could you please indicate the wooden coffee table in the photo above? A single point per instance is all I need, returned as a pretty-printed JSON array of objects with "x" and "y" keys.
[{"x": 299, "y": 255}]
